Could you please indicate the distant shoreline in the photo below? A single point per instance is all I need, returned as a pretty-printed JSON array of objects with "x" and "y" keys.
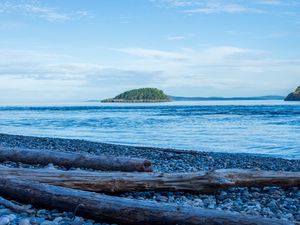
[
  {"x": 262, "y": 98},
  {"x": 180, "y": 99},
  {"x": 132, "y": 101}
]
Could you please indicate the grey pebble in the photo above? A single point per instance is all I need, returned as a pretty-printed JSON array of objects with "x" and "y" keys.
[
  {"x": 271, "y": 202},
  {"x": 7, "y": 219},
  {"x": 47, "y": 222},
  {"x": 24, "y": 221}
]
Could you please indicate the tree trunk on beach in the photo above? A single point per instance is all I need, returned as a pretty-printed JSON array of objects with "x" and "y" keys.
[
  {"x": 116, "y": 182},
  {"x": 79, "y": 160},
  {"x": 112, "y": 209}
]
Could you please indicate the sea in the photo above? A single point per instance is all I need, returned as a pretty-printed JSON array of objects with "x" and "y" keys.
[{"x": 261, "y": 127}]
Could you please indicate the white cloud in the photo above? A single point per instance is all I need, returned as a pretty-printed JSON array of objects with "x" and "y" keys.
[
  {"x": 7, "y": 55},
  {"x": 35, "y": 9},
  {"x": 217, "y": 55},
  {"x": 205, "y": 6},
  {"x": 223, "y": 67},
  {"x": 153, "y": 53},
  {"x": 175, "y": 38},
  {"x": 221, "y": 52},
  {"x": 11, "y": 25},
  {"x": 217, "y": 69},
  {"x": 224, "y": 6},
  {"x": 177, "y": 3},
  {"x": 142, "y": 61},
  {"x": 47, "y": 66},
  {"x": 210, "y": 8},
  {"x": 270, "y": 2},
  {"x": 278, "y": 2}
]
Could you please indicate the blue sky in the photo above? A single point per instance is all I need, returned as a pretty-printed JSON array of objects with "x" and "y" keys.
[{"x": 72, "y": 50}]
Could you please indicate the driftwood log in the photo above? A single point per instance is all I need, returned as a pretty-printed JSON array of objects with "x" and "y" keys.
[
  {"x": 14, "y": 207},
  {"x": 78, "y": 160},
  {"x": 114, "y": 182},
  {"x": 121, "y": 210}
]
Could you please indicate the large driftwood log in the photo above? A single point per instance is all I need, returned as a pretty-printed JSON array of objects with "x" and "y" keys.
[
  {"x": 65, "y": 159},
  {"x": 121, "y": 210},
  {"x": 114, "y": 182}
]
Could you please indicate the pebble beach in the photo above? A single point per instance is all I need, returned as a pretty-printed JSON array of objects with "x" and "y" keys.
[{"x": 269, "y": 202}]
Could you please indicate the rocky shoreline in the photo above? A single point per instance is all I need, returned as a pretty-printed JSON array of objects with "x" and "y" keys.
[{"x": 270, "y": 202}]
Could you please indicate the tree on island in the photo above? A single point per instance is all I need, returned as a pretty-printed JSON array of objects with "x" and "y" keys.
[
  {"x": 140, "y": 95},
  {"x": 294, "y": 96}
]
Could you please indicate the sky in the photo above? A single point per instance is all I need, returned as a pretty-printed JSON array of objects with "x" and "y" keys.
[{"x": 76, "y": 50}]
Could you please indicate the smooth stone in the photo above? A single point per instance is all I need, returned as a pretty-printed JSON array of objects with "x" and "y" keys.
[
  {"x": 78, "y": 222},
  {"x": 273, "y": 206},
  {"x": 211, "y": 206},
  {"x": 198, "y": 203},
  {"x": 57, "y": 219},
  {"x": 162, "y": 199},
  {"x": 48, "y": 222},
  {"x": 4, "y": 220},
  {"x": 5, "y": 212},
  {"x": 37, "y": 220},
  {"x": 24, "y": 222}
]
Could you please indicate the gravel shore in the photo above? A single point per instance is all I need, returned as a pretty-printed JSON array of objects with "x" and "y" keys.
[{"x": 271, "y": 202}]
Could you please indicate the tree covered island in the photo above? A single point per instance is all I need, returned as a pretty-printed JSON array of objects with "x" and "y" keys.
[
  {"x": 294, "y": 96},
  {"x": 140, "y": 95}
]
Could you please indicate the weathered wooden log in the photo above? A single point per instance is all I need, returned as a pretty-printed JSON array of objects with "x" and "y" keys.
[
  {"x": 80, "y": 160},
  {"x": 121, "y": 210},
  {"x": 14, "y": 207},
  {"x": 258, "y": 178},
  {"x": 114, "y": 182}
]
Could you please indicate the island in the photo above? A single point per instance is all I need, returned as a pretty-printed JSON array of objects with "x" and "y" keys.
[
  {"x": 140, "y": 95},
  {"x": 294, "y": 96}
]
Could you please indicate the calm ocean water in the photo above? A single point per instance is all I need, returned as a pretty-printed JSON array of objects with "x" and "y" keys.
[{"x": 261, "y": 127}]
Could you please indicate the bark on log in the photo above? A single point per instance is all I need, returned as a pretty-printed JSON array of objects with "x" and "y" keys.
[
  {"x": 114, "y": 182},
  {"x": 14, "y": 207},
  {"x": 121, "y": 210},
  {"x": 68, "y": 160}
]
